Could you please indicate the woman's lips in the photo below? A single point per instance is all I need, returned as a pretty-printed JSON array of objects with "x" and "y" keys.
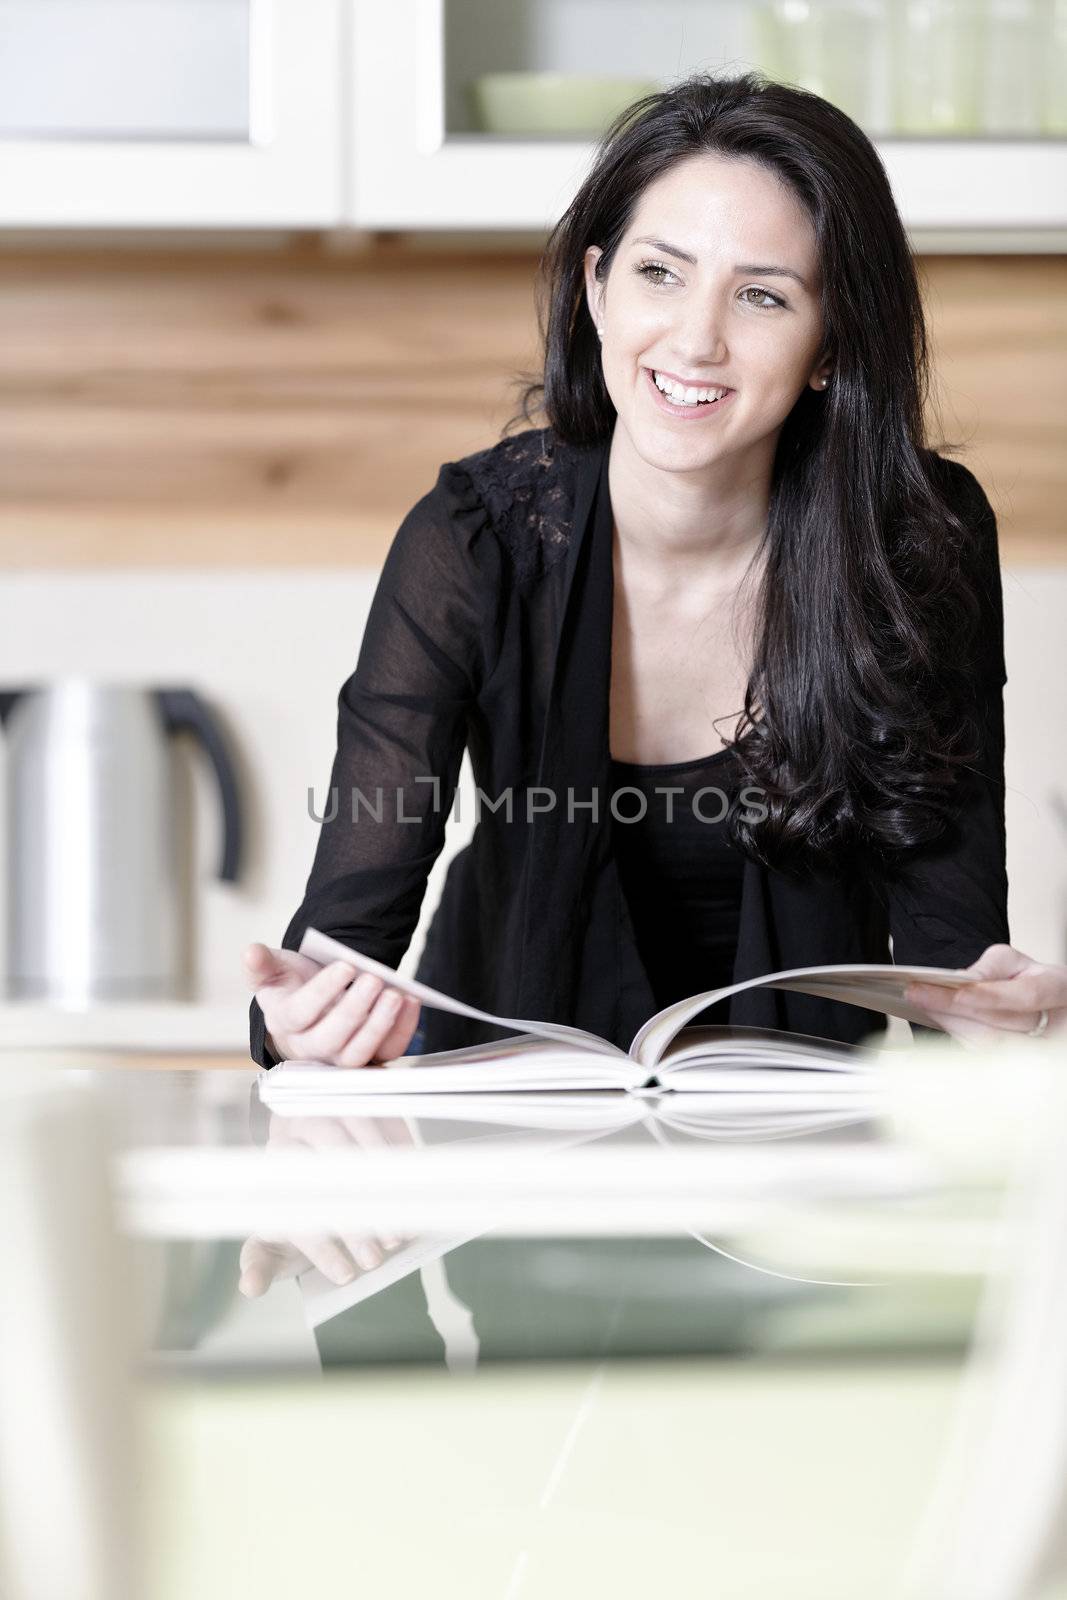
[{"x": 686, "y": 413}]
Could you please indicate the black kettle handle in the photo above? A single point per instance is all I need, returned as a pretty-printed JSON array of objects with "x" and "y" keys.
[
  {"x": 8, "y": 699},
  {"x": 184, "y": 710}
]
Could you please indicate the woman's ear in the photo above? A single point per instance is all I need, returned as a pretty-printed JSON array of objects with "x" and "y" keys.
[
  {"x": 823, "y": 372},
  {"x": 594, "y": 289}
]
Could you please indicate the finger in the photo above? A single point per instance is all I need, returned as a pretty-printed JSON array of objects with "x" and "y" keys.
[
  {"x": 307, "y": 1005},
  {"x": 323, "y": 1133},
  {"x": 969, "y": 1029},
  {"x": 369, "y": 1254},
  {"x": 259, "y": 964},
  {"x": 365, "y": 1250},
  {"x": 1030, "y": 991},
  {"x": 376, "y": 1130},
  {"x": 265, "y": 967},
  {"x": 366, "y": 1043},
  {"x": 1020, "y": 999},
  {"x": 350, "y": 1012},
  {"x": 397, "y": 1130},
  {"x": 402, "y": 1032},
  {"x": 261, "y": 1262},
  {"x": 1000, "y": 961},
  {"x": 367, "y": 1132},
  {"x": 330, "y": 1256},
  {"x": 313, "y": 1133},
  {"x": 941, "y": 1000}
]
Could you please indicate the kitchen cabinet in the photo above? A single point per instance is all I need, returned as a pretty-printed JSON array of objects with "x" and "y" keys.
[
  {"x": 418, "y": 158},
  {"x": 350, "y": 114},
  {"x": 170, "y": 113}
]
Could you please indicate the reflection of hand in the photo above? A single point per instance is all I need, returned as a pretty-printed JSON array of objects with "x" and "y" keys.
[
  {"x": 339, "y": 1258},
  {"x": 1015, "y": 990},
  {"x": 328, "y": 1013}
]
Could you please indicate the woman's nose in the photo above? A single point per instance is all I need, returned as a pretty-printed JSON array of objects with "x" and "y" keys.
[{"x": 700, "y": 341}]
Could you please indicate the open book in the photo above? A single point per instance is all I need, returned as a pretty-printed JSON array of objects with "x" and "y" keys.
[{"x": 665, "y": 1053}]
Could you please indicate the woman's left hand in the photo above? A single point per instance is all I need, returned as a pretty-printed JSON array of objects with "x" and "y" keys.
[{"x": 1014, "y": 991}]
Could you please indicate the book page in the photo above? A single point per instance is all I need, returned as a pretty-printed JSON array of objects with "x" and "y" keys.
[
  {"x": 320, "y": 947},
  {"x": 729, "y": 1044},
  {"x": 496, "y": 1068},
  {"x": 874, "y": 985}
]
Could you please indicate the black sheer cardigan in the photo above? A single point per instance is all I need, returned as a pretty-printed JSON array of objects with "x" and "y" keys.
[{"x": 490, "y": 630}]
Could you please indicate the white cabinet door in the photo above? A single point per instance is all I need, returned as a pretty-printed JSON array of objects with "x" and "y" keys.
[
  {"x": 405, "y": 170},
  {"x": 416, "y": 161},
  {"x": 171, "y": 113}
]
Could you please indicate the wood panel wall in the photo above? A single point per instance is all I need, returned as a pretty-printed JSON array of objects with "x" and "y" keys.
[{"x": 287, "y": 408}]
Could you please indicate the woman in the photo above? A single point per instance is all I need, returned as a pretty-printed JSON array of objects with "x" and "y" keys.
[{"x": 730, "y": 522}]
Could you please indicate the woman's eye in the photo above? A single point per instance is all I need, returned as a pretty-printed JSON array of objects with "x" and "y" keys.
[
  {"x": 654, "y": 267},
  {"x": 762, "y": 305}
]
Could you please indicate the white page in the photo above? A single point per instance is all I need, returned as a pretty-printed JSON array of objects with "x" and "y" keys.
[
  {"x": 731, "y": 1045},
  {"x": 320, "y": 947},
  {"x": 879, "y": 987},
  {"x": 561, "y": 1070}
]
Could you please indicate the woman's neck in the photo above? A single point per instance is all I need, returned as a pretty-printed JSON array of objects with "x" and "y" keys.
[{"x": 699, "y": 526}]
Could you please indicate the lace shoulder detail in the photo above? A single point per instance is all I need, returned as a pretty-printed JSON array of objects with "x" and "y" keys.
[{"x": 526, "y": 483}]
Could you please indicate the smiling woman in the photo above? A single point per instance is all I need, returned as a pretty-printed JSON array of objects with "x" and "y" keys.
[
  {"x": 746, "y": 274},
  {"x": 727, "y": 511}
]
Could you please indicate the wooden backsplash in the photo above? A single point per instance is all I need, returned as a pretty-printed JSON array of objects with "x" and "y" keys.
[{"x": 288, "y": 407}]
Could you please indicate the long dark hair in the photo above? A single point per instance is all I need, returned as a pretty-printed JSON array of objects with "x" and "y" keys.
[{"x": 858, "y": 714}]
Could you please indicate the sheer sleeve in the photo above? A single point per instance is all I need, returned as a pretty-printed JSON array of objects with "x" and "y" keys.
[
  {"x": 948, "y": 906},
  {"x": 402, "y": 730}
]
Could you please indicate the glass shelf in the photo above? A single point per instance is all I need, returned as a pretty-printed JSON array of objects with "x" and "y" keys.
[{"x": 926, "y": 69}]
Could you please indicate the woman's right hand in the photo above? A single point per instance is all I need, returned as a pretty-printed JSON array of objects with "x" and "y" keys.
[{"x": 317, "y": 1013}]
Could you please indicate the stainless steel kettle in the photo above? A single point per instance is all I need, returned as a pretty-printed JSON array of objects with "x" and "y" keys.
[{"x": 94, "y": 892}]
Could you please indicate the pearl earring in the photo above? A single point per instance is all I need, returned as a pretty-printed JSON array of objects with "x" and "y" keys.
[{"x": 600, "y": 330}]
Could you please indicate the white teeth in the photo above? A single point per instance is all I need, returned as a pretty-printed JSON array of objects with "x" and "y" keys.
[{"x": 683, "y": 396}]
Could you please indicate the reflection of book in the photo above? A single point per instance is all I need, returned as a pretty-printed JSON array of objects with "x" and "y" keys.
[
  {"x": 665, "y": 1052},
  {"x": 549, "y": 1122}
]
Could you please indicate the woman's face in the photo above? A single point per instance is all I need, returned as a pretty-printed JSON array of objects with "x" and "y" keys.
[{"x": 743, "y": 312}]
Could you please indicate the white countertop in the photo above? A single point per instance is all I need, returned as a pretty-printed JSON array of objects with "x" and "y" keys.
[{"x": 126, "y": 1025}]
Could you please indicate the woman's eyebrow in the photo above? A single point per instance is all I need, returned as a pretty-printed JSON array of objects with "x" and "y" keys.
[{"x": 745, "y": 266}]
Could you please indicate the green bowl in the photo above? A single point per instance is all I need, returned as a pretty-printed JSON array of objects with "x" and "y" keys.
[{"x": 552, "y": 102}]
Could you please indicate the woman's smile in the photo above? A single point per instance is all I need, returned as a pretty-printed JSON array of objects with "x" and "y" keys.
[{"x": 687, "y": 411}]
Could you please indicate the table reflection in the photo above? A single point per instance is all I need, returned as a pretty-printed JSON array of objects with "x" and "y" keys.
[
  {"x": 469, "y": 1296},
  {"x": 488, "y": 1283}
]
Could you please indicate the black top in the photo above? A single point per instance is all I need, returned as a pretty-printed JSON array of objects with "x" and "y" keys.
[
  {"x": 679, "y": 872},
  {"x": 490, "y": 630}
]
